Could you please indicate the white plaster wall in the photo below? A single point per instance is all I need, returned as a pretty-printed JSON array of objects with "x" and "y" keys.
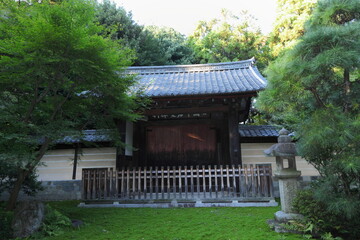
[
  {"x": 253, "y": 153},
  {"x": 58, "y": 164}
]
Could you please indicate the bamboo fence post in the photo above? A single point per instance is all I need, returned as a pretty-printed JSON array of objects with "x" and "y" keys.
[
  {"x": 228, "y": 180},
  {"x": 222, "y": 180},
  {"x": 270, "y": 181},
  {"x": 122, "y": 183},
  {"x": 234, "y": 181},
  {"x": 97, "y": 186},
  {"x": 258, "y": 184},
  {"x": 240, "y": 182},
  {"x": 151, "y": 183},
  {"x": 174, "y": 182},
  {"x": 162, "y": 183},
  {"x": 88, "y": 194},
  {"x": 168, "y": 182},
  {"x": 210, "y": 181},
  {"x": 186, "y": 183},
  {"x": 246, "y": 180},
  {"x": 216, "y": 182},
  {"x": 116, "y": 183},
  {"x": 192, "y": 181},
  {"x": 145, "y": 183},
  {"x": 111, "y": 190},
  {"x": 204, "y": 180},
  {"x": 94, "y": 184},
  {"x": 105, "y": 192},
  {"x": 253, "y": 187},
  {"x": 197, "y": 181},
  {"x": 83, "y": 185},
  {"x": 128, "y": 182},
  {"x": 139, "y": 183},
  {"x": 133, "y": 194},
  {"x": 156, "y": 183},
  {"x": 265, "y": 183},
  {"x": 180, "y": 183}
]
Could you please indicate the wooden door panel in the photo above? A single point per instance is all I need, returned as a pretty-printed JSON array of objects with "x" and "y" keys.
[{"x": 181, "y": 145}]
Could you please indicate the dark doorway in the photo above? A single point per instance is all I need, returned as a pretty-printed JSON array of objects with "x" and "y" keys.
[{"x": 181, "y": 145}]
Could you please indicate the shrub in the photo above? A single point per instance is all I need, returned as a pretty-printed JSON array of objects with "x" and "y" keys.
[
  {"x": 5, "y": 223},
  {"x": 323, "y": 220},
  {"x": 53, "y": 224}
]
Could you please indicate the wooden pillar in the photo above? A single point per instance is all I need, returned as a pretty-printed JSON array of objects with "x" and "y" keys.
[
  {"x": 75, "y": 160},
  {"x": 234, "y": 136},
  {"x": 139, "y": 155},
  {"x": 120, "y": 152}
]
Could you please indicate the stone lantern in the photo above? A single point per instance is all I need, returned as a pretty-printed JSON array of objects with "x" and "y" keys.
[{"x": 284, "y": 152}]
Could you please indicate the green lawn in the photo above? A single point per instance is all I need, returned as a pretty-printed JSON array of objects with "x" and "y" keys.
[{"x": 175, "y": 223}]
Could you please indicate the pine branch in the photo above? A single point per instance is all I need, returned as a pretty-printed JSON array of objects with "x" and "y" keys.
[{"x": 346, "y": 90}]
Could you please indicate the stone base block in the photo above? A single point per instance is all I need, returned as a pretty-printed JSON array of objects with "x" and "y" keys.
[{"x": 283, "y": 217}]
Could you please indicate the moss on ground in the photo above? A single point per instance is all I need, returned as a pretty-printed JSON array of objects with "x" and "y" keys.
[{"x": 170, "y": 224}]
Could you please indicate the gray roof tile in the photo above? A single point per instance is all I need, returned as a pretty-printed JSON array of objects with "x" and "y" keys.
[
  {"x": 258, "y": 131},
  {"x": 87, "y": 136},
  {"x": 199, "y": 79}
]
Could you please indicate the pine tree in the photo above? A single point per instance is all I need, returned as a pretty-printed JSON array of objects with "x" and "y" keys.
[{"x": 314, "y": 88}]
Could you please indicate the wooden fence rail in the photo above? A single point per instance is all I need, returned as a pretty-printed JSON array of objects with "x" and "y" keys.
[{"x": 188, "y": 183}]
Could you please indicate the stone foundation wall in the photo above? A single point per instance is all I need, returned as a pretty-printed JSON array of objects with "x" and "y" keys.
[
  {"x": 53, "y": 190},
  {"x": 71, "y": 190}
]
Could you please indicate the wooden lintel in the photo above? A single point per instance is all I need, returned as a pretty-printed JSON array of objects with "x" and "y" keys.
[{"x": 223, "y": 108}]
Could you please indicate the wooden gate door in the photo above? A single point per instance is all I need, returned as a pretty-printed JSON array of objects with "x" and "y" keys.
[{"x": 181, "y": 145}]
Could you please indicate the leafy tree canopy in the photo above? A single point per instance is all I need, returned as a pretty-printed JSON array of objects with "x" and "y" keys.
[
  {"x": 231, "y": 38},
  {"x": 314, "y": 89},
  {"x": 57, "y": 75},
  {"x": 289, "y": 24},
  {"x": 152, "y": 45}
]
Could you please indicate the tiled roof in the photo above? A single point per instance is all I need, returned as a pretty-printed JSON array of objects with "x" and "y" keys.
[
  {"x": 258, "y": 131},
  {"x": 88, "y": 136},
  {"x": 199, "y": 79}
]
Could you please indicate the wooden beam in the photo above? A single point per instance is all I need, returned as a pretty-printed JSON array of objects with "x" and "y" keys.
[{"x": 222, "y": 108}]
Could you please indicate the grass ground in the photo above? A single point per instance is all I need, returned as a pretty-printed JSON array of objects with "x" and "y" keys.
[{"x": 170, "y": 224}]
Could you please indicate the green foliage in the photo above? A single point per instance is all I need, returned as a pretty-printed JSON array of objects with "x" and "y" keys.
[
  {"x": 325, "y": 222},
  {"x": 172, "y": 223},
  {"x": 9, "y": 174},
  {"x": 315, "y": 213},
  {"x": 151, "y": 45},
  {"x": 313, "y": 89},
  {"x": 57, "y": 76},
  {"x": 54, "y": 224},
  {"x": 289, "y": 24},
  {"x": 54, "y": 221},
  {"x": 231, "y": 38},
  {"x": 173, "y": 46},
  {"x": 5, "y": 222}
]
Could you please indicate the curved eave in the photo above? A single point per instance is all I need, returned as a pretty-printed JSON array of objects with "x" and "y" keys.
[
  {"x": 206, "y": 96},
  {"x": 199, "y": 80}
]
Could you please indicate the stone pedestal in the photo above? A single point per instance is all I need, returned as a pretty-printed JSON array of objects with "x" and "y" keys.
[
  {"x": 288, "y": 188},
  {"x": 285, "y": 152}
]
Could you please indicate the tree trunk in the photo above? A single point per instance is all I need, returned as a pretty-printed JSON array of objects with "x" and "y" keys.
[
  {"x": 23, "y": 173},
  {"x": 15, "y": 191}
]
